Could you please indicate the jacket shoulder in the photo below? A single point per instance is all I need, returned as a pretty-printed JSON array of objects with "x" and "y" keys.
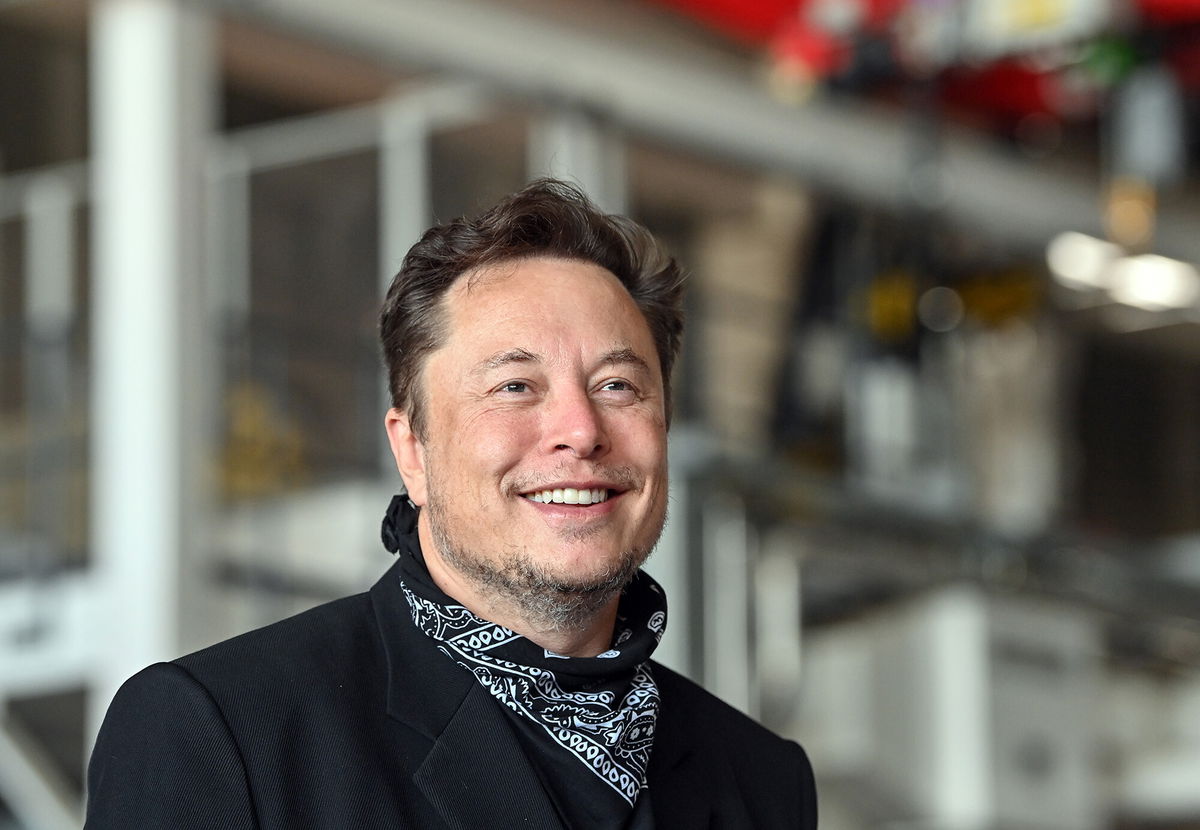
[
  {"x": 684, "y": 698},
  {"x": 163, "y": 729},
  {"x": 327, "y": 659},
  {"x": 773, "y": 774},
  {"x": 294, "y": 645}
]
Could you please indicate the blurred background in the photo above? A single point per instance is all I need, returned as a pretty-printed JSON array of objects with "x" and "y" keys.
[{"x": 936, "y": 452}]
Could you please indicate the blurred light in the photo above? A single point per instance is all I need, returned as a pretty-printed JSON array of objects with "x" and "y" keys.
[
  {"x": 1146, "y": 159},
  {"x": 1130, "y": 211},
  {"x": 892, "y": 306},
  {"x": 1154, "y": 282},
  {"x": 940, "y": 309},
  {"x": 1081, "y": 261}
]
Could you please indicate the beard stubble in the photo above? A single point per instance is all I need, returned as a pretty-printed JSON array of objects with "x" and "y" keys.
[{"x": 547, "y": 602}]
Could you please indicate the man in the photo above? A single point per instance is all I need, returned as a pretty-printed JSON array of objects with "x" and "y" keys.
[{"x": 499, "y": 675}]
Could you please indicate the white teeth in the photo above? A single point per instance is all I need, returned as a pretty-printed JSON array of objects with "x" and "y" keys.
[{"x": 568, "y": 495}]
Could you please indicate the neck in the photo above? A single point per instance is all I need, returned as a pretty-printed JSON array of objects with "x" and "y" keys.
[
  {"x": 581, "y": 638},
  {"x": 588, "y": 641}
]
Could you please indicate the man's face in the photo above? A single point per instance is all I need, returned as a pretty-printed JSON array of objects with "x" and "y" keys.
[{"x": 546, "y": 391}]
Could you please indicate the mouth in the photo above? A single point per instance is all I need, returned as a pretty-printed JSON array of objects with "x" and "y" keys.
[{"x": 582, "y": 496}]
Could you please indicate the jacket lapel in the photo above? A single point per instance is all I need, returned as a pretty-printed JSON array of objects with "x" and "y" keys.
[
  {"x": 475, "y": 773},
  {"x": 680, "y": 791},
  {"x": 691, "y": 782}
]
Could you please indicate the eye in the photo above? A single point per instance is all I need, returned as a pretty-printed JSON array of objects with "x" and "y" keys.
[
  {"x": 617, "y": 390},
  {"x": 514, "y": 387}
]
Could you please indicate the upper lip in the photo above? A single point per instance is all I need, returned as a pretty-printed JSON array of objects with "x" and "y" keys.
[{"x": 564, "y": 485}]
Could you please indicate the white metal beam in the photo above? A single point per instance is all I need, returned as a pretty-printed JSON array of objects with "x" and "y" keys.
[
  {"x": 50, "y": 311},
  {"x": 573, "y": 144},
  {"x": 33, "y": 790},
  {"x": 679, "y": 552},
  {"x": 727, "y": 541},
  {"x": 151, "y": 111}
]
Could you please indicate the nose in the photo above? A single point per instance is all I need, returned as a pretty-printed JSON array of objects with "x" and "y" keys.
[{"x": 575, "y": 424}]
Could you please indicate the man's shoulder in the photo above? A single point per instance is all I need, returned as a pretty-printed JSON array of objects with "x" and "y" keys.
[
  {"x": 686, "y": 701},
  {"x": 772, "y": 774},
  {"x": 330, "y": 640}
]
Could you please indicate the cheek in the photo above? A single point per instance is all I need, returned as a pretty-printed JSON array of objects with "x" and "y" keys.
[
  {"x": 496, "y": 442},
  {"x": 646, "y": 442}
]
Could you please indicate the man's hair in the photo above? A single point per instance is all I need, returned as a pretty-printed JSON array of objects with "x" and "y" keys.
[{"x": 548, "y": 218}]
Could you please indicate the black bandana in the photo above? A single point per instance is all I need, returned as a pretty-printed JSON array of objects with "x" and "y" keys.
[{"x": 602, "y": 710}]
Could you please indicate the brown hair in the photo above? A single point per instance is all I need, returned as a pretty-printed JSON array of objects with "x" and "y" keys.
[{"x": 547, "y": 218}]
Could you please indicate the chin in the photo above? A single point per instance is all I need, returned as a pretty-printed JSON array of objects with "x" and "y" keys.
[
  {"x": 570, "y": 599},
  {"x": 587, "y": 562},
  {"x": 585, "y": 572}
]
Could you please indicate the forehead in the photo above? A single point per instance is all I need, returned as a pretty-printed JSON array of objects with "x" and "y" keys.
[{"x": 557, "y": 302}]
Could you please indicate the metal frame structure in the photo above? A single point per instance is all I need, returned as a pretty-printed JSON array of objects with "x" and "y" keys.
[{"x": 842, "y": 146}]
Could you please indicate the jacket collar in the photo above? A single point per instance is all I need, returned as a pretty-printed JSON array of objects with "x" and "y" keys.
[{"x": 475, "y": 773}]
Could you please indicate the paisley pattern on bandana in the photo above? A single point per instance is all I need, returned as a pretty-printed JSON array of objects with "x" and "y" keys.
[{"x": 602, "y": 709}]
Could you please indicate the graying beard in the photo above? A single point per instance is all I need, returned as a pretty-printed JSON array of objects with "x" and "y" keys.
[{"x": 547, "y": 604}]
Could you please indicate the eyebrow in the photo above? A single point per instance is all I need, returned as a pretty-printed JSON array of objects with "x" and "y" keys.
[
  {"x": 505, "y": 358},
  {"x": 625, "y": 356},
  {"x": 622, "y": 356}
]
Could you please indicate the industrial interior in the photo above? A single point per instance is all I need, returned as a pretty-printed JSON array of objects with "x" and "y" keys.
[{"x": 937, "y": 419}]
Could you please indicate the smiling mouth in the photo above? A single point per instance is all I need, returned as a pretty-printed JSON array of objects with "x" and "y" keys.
[{"x": 569, "y": 495}]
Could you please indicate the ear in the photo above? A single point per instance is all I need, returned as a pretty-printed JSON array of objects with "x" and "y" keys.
[{"x": 409, "y": 454}]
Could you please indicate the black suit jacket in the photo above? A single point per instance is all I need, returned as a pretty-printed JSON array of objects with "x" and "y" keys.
[{"x": 347, "y": 716}]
